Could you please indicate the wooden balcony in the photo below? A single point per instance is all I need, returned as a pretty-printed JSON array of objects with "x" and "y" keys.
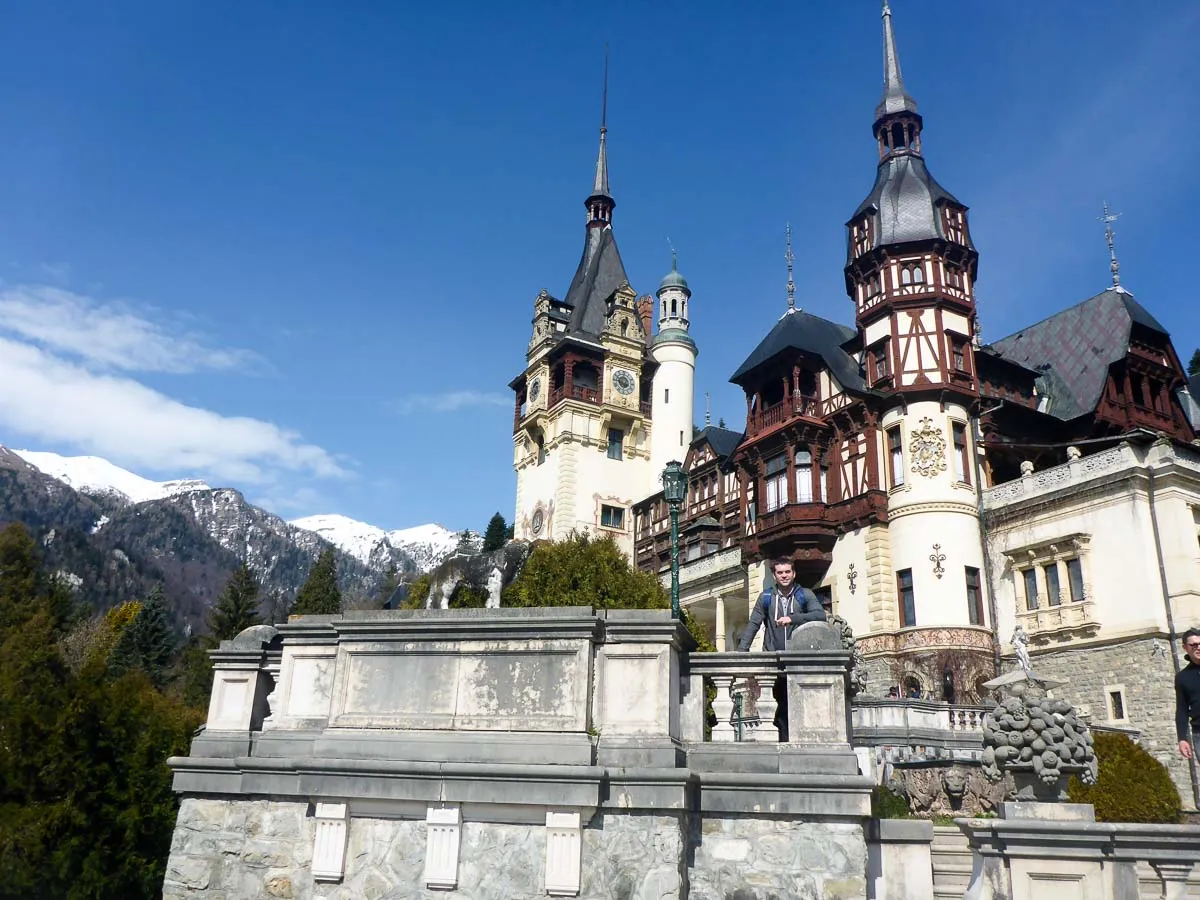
[
  {"x": 787, "y": 411},
  {"x": 587, "y": 395},
  {"x": 809, "y": 530}
]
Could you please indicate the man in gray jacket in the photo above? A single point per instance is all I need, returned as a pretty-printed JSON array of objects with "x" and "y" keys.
[{"x": 781, "y": 610}]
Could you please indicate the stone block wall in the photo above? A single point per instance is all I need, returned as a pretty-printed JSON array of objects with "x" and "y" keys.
[
  {"x": 777, "y": 858},
  {"x": 1144, "y": 670},
  {"x": 232, "y": 849}
]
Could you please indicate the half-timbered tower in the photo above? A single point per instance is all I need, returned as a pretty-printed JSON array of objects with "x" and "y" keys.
[{"x": 581, "y": 427}]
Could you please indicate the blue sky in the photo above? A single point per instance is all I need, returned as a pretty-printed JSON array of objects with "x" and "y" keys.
[{"x": 293, "y": 248}]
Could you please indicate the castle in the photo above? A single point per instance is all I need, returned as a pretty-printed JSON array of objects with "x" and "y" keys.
[{"x": 940, "y": 494}]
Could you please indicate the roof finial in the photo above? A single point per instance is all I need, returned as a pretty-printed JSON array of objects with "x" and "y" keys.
[
  {"x": 1115, "y": 267},
  {"x": 707, "y": 411},
  {"x": 674, "y": 255},
  {"x": 600, "y": 187},
  {"x": 791, "y": 284},
  {"x": 895, "y": 98}
]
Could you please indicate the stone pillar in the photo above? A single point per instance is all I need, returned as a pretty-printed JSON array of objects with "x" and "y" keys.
[
  {"x": 241, "y": 684},
  {"x": 899, "y": 863},
  {"x": 818, "y": 687},
  {"x": 720, "y": 638}
]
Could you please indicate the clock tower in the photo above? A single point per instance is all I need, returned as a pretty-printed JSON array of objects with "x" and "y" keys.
[{"x": 581, "y": 426}]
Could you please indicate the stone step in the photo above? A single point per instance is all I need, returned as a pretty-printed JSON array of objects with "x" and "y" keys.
[{"x": 951, "y": 859}]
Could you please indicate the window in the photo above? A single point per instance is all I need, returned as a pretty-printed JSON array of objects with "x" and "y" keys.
[
  {"x": 612, "y": 516},
  {"x": 1116, "y": 705},
  {"x": 1053, "y": 596},
  {"x": 896, "y": 455},
  {"x": 1031, "y": 591},
  {"x": 666, "y": 395},
  {"x": 908, "y": 602},
  {"x": 974, "y": 597},
  {"x": 616, "y": 443},
  {"x": 912, "y": 273},
  {"x": 776, "y": 482},
  {"x": 1075, "y": 578},
  {"x": 958, "y": 354},
  {"x": 804, "y": 485},
  {"x": 825, "y": 595},
  {"x": 541, "y": 449},
  {"x": 962, "y": 458},
  {"x": 824, "y": 484},
  {"x": 693, "y": 552},
  {"x": 953, "y": 275},
  {"x": 879, "y": 358}
]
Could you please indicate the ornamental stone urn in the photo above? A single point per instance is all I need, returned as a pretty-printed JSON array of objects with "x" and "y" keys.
[{"x": 1039, "y": 739}]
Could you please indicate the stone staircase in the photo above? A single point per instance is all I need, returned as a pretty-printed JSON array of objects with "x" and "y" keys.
[{"x": 951, "y": 862}]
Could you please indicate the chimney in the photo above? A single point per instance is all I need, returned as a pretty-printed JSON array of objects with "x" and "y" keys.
[{"x": 645, "y": 308}]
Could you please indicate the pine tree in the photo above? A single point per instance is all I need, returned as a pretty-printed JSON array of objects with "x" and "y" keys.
[
  {"x": 148, "y": 643},
  {"x": 493, "y": 537},
  {"x": 237, "y": 607},
  {"x": 320, "y": 595},
  {"x": 1194, "y": 364}
]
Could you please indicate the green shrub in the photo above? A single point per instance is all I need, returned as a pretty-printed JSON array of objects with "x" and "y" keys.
[
  {"x": 1132, "y": 786},
  {"x": 887, "y": 804}
]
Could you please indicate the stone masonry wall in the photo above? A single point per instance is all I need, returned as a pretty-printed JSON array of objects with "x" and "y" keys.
[
  {"x": 234, "y": 849},
  {"x": 1144, "y": 670},
  {"x": 750, "y": 858}
]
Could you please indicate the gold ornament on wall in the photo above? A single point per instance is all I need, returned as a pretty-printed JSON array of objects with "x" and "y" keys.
[{"x": 928, "y": 449}]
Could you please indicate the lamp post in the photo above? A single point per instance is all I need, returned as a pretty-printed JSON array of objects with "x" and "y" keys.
[{"x": 675, "y": 481}]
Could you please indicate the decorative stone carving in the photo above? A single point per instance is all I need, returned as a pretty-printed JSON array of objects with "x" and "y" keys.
[
  {"x": 443, "y": 833},
  {"x": 564, "y": 841},
  {"x": 942, "y": 790},
  {"x": 329, "y": 841},
  {"x": 494, "y": 583},
  {"x": 858, "y": 666},
  {"x": 1026, "y": 468},
  {"x": 937, "y": 557},
  {"x": 1038, "y": 739},
  {"x": 1073, "y": 453},
  {"x": 928, "y": 449}
]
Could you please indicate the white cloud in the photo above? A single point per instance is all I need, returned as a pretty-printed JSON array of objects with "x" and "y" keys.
[
  {"x": 61, "y": 402},
  {"x": 451, "y": 401},
  {"x": 109, "y": 335}
]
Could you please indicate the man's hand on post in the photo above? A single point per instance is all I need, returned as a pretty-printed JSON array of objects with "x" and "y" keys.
[{"x": 1185, "y": 749}]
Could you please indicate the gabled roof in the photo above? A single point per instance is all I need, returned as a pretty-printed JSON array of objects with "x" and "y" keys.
[
  {"x": 722, "y": 440},
  {"x": 1189, "y": 399},
  {"x": 799, "y": 330},
  {"x": 1074, "y": 348},
  {"x": 599, "y": 275}
]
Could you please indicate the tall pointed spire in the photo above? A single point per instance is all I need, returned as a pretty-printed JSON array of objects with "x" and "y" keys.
[
  {"x": 1113, "y": 266},
  {"x": 789, "y": 258},
  {"x": 895, "y": 98},
  {"x": 600, "y": 202}
]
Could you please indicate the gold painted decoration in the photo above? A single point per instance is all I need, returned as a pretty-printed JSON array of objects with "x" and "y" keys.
[{"x": 928, "y": 449}]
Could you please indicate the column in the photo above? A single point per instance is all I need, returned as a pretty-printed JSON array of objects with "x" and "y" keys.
[{"x": 720, "y": 638}]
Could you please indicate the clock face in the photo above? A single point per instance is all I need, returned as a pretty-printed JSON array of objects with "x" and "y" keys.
[
  {"x": 535, "y": 389},
  {"x": 623, "y": 381},
  {"x": 538, "y": 521}
]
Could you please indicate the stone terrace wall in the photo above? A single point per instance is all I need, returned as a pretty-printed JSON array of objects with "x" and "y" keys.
[{"x": 233, "y": 849}]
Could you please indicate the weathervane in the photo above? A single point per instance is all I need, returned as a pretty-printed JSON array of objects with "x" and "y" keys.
[
  {"x": 791, "y": 284},
  {"x": 1108, "y": 218},
  {"x": 707, "y": 411},
  {"x": 674, "y": 262}
]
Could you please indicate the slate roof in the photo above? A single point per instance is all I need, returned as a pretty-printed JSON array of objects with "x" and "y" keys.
[
  {"x": 799, "y": 330},
  {"x": 1190, "y": 401},
  {"x": 722, "y": 440},
  {"x": 599, "y": 275},
  {"x": 905, "y": 198},
  {"x": 1074, "y": 348}
]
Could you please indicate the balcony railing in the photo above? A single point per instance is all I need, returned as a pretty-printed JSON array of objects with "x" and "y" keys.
[
  {"x": 783, "y": 411},
  {"x": 1068, "y": 615},
  {"x": 586, "y": 394}
]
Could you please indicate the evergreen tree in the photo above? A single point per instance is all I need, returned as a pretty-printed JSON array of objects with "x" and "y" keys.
[
  {"x": 237, "y": 607},
  {"x": 320, "y": 593},
  {"x": 391, "y": 581},
  {"x": 1194, "y": 363},
  {"x": 148, "y": 643},
  {"x": 510, "y": 532},
  {"x": 582, "y": 570},
  {"x": 493, "y": 537},
  {"x": 721, "y": 422}
]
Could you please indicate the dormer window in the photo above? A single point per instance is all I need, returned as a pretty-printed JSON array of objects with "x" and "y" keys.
[
  {"x": 955, "y": 225},
  {"x": 860, "y": 236}
]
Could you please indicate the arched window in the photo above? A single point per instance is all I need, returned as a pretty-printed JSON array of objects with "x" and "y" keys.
[{"x": 672, "y": 306}]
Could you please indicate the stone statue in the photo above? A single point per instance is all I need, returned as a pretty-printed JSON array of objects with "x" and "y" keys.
[
  {"x": 494, "y": 583},
  {"x": 858, "y": 666},
  {"x": 1020, "y": 644}
]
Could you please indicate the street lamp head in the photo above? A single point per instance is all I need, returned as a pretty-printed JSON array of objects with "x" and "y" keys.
[{"x": 675, "y": 481}]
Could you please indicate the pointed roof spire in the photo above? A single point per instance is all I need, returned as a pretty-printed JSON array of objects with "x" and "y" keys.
[
  {"x": 895, "y": 98},
  {"x": 707, "y": 410},
  {"x": 791, "y": 284},
  {"x": 600, "y": 186},
  {"x": 1115, "y": 267}
]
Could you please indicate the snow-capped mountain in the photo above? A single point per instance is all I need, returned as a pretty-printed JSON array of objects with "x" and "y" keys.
[
  {"x": 426, "y": 545},
  {"x": 243, "y": 528},
  {"x": 98, "y": 477}
]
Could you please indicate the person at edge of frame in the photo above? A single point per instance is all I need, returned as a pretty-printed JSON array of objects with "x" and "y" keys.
[
  {"x": 1187, "y": 694},
  {"x": 780, "y": 610}
]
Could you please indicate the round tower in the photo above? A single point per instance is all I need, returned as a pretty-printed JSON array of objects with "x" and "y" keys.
[{"x": 674, "y": 381}]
